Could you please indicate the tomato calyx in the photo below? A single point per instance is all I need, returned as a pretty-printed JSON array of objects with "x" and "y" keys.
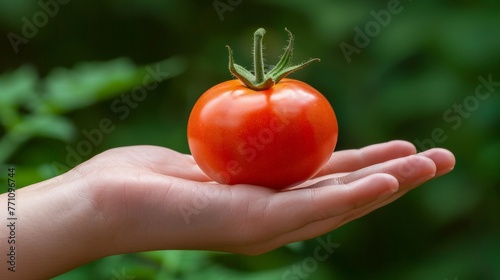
[{"x": 262, "y": 80}]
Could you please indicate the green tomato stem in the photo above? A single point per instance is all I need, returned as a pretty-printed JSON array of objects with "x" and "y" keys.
[
  {"x": 262, "y": 80},
  {"x": 258, "y": 58}
]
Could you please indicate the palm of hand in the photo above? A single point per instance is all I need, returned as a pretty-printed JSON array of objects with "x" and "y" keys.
[{"x": 163, "y": 197}]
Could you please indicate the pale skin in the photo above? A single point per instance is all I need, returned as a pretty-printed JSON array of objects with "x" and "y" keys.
[{"x": 144, "y": 198}]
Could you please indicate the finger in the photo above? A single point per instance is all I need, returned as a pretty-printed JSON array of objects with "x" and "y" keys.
[
  {"x": 317, "y": 204},
  {"x": 403, "y": 189},
  {"x": 413, "y": 169},
  {"x": 320, "y": 227},
  {"x": 443, "y": 159},
  {"x": 314, "y": 209},
  {"x": 405, "y": 173},
  {"x": 351, "y": 160},
  {"x": 409, "y": 172},
  {"x": 403, "y": 169},
  {"x": 409, "y": 179}
]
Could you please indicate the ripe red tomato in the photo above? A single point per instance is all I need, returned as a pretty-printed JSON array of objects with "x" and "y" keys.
[
  {"x": 273, "y": 138},
  {"x": 262, "y": 129}
]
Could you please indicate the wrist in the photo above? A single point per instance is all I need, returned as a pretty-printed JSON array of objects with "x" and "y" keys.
[{"x": 58, "y": 228}]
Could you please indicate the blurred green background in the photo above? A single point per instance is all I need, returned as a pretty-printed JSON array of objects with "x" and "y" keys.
[{"x": 391, "y": 70}]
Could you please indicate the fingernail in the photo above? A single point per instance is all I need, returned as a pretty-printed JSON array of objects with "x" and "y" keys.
[{"x": 388, "y": 191}]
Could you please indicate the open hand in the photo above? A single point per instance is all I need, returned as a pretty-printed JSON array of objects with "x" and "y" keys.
[
  {"x": 162, "y": 200},
  {"x": 144, "y": 198}
]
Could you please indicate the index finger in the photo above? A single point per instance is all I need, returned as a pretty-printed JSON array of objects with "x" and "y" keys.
[{"x": 352, "y": 160}]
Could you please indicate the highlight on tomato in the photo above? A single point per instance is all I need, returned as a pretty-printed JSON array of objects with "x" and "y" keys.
[{"x": 262, "y": 128}]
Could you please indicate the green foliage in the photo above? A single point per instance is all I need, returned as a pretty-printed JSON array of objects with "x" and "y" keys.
[
  {"x": 416, "y": 75},
  {"x": 33, "y": 107}
]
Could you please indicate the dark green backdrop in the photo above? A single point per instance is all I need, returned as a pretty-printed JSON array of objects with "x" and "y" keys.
[{"x": 423, "y": 71}]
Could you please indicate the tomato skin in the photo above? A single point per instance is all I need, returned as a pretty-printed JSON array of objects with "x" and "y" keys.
[{"x": 275, "y": 138}]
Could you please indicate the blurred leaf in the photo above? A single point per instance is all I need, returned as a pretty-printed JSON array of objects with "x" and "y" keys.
[
  {"x": 91, "y": 82},
  {"x": 34, "y": 125},
  {"x": 217, "y": 272},
  {"x": 69, "y": 89},
  {"x": 17, "y": 87},
  {"x": 178, "y": 261},
  {"x": 45, "y": 126}
]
